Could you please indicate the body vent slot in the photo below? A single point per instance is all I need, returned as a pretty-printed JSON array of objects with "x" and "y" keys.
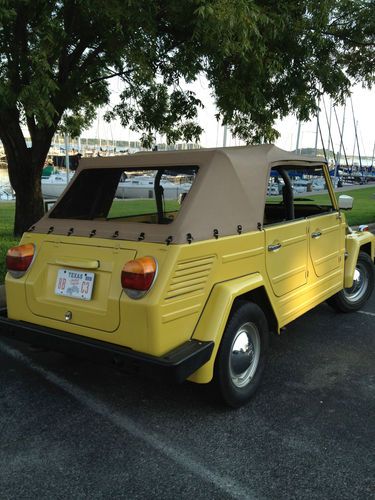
[{"x": 189, "y": 277}]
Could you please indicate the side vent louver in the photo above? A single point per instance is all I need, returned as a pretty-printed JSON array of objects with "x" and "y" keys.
[{"x": 189, "y": 278}]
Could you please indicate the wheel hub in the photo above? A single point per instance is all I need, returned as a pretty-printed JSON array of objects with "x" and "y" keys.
[
  {"x": 359, "y": 287},
  {"x": 244, "y": 355}
]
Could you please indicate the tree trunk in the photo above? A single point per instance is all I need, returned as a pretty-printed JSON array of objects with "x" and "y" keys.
[
  {"x": 29, "y": 203},
  {"x": 25, "y": 179},
  {"x": 25, "y": 166}
]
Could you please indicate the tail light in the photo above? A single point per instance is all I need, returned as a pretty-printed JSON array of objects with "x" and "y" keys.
[
  {"x": 138, "y": 276},
  {"x": 18, "y": 259}
]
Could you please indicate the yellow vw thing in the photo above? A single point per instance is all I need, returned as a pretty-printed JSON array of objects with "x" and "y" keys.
[{"x": 190, "y": 280}]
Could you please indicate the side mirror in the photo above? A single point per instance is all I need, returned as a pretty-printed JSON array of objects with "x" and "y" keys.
[{"x": 345, "y": 202}]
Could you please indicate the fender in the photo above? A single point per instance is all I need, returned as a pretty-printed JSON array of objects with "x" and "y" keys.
[
  {"x": 215, "y": 315},
  {"x": 354, "y": 242}
]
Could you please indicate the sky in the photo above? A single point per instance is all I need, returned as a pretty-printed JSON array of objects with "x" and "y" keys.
[{"x": 364, "y": 114}]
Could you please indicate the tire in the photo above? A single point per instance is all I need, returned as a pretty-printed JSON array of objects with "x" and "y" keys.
[
  {"x": 351, "y": 299},
  {"x": 242, "y": 354}
]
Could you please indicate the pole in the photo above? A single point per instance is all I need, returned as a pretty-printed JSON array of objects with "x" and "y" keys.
[
  {"x": 66, "y": 158},
  {"x": 341, "y": 132},
  {"x": 373, "y": 155},
  {"x": 329, "y": 123},
  {"x": 329, "y": 133},
  {"x": 298, "y": 135},
  {"x": 316, "y": 134},
  {"x": 321, "y": 138},
  {"x": 225, "y": 135},
  {"x": 356, "y": 135}
]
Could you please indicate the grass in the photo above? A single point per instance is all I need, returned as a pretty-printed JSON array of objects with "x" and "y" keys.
[
  {"x": 363, "y": 213},
  {"x": 6, "y": 233},
  {"x": 137, "y": 207}
]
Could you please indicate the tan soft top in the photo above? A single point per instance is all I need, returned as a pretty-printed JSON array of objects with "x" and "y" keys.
[{"x": 229, "y": 191}]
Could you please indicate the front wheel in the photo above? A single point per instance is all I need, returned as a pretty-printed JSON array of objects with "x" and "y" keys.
[
  {"x": 242, "y": 354},
  {"x": 353, "y": 298}
]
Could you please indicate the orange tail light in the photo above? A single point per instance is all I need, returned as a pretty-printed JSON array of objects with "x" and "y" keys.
[
  {"x": 138, "y": 276},
  {"x": 18, "y": 259}
]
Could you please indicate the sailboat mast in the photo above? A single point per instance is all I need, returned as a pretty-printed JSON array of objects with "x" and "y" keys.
[
  {"x": 321, "y": 139},
  {"x": 316, "y": 134},
  {"x": 298, "y": 135},
  {"x": 329, "y": 133},
  {"x": 225, "y": 135},
  {"x": 356, "y": 135},
  {"x": 329, "y": 123},
  {"x": 341, "y": 132},
  {"x": 66, "y": 158}
]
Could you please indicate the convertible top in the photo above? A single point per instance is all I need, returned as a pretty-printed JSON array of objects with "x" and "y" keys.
[{"x": 229, "y": 191}]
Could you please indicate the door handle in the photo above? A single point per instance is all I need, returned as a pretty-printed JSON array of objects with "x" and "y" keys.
[
  {"x": 316, "y": 235},
  {"x": 273, "y": 248}
]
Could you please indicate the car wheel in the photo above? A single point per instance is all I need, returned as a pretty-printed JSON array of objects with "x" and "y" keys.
[
  {"x": 353, "y": 298},
  {"x": 242, "y": 354}
]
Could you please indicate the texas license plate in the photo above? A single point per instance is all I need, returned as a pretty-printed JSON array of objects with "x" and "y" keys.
[{"x": 74, "y": 284}]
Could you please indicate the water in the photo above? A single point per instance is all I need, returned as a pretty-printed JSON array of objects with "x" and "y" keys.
[{"x": 6, "y": 192}]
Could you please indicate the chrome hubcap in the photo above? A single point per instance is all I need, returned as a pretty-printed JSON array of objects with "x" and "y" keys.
[
  {"x": 360, "y": 284},
  {"x": 244, "y": 354}
]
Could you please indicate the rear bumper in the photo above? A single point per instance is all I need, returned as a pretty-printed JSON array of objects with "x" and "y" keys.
[{"x": 176, "y": 365}]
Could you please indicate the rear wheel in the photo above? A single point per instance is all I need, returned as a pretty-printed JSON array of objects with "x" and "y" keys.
[
  {"x": 242, "y": 354},
  {"x": 353, "y": 298}
]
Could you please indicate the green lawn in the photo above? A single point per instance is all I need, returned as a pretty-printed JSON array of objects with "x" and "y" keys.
[
  {"x": 362, "y": 213},
  {"x": 6, "y": 233},
  {"x": 137, "y": 207}
]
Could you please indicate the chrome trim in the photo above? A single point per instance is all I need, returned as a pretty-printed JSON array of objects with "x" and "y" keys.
[
  {"x": 244, "y": 355},
  {"x": 360, "y": 284},
  {"x": 273, "y": 248}
]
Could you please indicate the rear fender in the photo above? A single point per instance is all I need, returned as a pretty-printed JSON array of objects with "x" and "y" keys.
[
  {"x": 355, "y": 242},
  {"x": 215, "y": 316}
]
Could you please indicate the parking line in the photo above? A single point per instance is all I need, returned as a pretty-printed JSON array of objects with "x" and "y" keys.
[
  {"x": 226, "y": 484},
  {"x": 366, "y": 312}
]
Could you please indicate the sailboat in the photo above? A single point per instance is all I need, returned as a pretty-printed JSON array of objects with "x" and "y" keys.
[{"x": 54, "y": 185}]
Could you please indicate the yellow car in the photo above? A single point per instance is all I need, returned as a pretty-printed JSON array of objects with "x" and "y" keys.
[{"x": 178, "y": 262}]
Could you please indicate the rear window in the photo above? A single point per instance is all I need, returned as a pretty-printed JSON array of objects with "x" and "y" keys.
[{"x": 150, "y": 195}]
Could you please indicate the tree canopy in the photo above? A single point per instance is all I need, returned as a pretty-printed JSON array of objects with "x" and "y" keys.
[{"x": 263, "y": 60}]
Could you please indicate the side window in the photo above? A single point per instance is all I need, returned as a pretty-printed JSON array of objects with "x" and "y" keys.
[{"x": 294, "y": 193}]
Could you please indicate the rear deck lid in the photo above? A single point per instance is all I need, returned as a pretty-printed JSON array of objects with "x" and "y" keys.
[{"x": 78, "y": 282}]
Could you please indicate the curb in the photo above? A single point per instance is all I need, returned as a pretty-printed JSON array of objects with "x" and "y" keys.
[{"x": 3, "y": 301}]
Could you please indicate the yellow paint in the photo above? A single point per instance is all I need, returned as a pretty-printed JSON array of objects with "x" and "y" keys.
[
  {"x": 354, "y": 242},
  {"x": 196, "y": 284}
]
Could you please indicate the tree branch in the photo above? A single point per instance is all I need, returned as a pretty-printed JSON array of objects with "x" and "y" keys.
[{"x": 125, "y": 74}]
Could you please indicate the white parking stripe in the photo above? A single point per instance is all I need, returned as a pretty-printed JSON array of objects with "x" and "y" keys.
[
  {"x": 366, "y": 312},
  {"x": 227, "y": 485}
]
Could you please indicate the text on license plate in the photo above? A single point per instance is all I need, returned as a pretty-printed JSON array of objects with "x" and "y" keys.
[{"x": 74, "y": 284}]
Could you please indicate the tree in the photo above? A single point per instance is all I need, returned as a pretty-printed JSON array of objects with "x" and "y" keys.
[{"x": 263, "y": 59}]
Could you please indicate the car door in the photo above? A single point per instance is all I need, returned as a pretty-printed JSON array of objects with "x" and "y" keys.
[
  {"x": 327, "y": 243},
  {"x": 286, "y": 255}
]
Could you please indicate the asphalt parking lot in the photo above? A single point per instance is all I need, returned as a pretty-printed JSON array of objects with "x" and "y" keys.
[{"x": 70, "y": 429}]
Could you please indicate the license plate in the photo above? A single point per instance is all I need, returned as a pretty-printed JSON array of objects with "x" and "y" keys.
[{"x": 74, "y": 284}]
